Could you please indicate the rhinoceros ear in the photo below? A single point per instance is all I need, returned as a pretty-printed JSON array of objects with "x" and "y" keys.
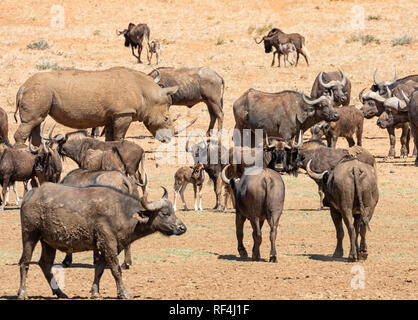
[{"x": 169, "y": 90}]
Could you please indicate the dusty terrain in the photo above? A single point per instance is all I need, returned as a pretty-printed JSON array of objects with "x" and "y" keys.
[{"x": 204, "y": 263}]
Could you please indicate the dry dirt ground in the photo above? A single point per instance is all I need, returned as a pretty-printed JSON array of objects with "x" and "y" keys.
[{"x": 204, "y": 263}]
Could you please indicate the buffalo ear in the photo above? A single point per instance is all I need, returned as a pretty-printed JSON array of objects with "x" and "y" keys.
[{"x": 169, "y": 90}]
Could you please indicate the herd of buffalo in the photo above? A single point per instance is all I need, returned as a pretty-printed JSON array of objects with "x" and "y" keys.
[{"x": 98, "y": 207}]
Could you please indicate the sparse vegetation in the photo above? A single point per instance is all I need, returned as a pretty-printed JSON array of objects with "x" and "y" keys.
[
  {"x": 96, "y": 33},
  {"x": 46, "y": 65},
  {"x": 365, "y": 39},
  {"x": 220, "y": 41},
  {"x": 374, "y": 17},
  {"x": 38, "y": 45},
  {"x": 250, "y": 29},
  {"x": 401, "y": 41},
  {"x": 263, "y": 29}
]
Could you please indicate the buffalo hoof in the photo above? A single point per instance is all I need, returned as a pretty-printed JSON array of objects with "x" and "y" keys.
[
  {"x": 243, "y": 253},
  {"x": 124, "y": 295},
  {"x": 66, "y": 263},
  {"x": 95, "y": 295},
  {"x": 59, "y": 294},
  {"x": 255, "y": 258},
  {"x": 352, "y": 258},
  {"x": 22, "y": 295},
  {"x": 363, "y": 256},
  {"x": 273, "y": 259},
  {"x": 338, "y": 254},
  {"x": 124, "y": 266}
]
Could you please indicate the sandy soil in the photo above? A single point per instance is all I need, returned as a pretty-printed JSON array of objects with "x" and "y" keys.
[{"x": 204, "y": 263}]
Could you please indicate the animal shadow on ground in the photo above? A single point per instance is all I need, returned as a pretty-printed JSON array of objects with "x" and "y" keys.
[
  {"x": 232, "y": 257},
  {"x": 321, "y": 257},
  {"x": 74, "y": 265}
]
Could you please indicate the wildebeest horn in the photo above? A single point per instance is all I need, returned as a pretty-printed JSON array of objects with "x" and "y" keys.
[
  {"x": 223, "y": 175},
  {"x": 314, "y": 175},
  {"x": 374, "y": 77},
  {"x": 31, "y": 148},
  {"x": 51, "y": 131},
  {"x": 300, "y": 141},
  {"x": 255, "y": 39},
  {"x": 158, "y": 77},
  {"x": 360, "y": 96},
  {"x": 118, "y": 33},
  {"x": 182, "y": 129},
  {"x": 42, "y": 131},
  {"x": 405, "y": 97},
  {"x": 344, "y": 80},
  {"x": 144, "y": 185},
  {"x": 165, "y": 195}
]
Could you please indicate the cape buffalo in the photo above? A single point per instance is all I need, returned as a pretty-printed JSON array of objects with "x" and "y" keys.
[
  {"x": 86, "y": 99},
  {"x": 76, "y": 219},
  {"x": 413, "y": 118},
  {"x": 4, "y": 126},
  {"x": 351, "y": 189},
  {"x": 337, "y": 82},
  {"x": 195, "y": 85},
  {"x": 350, "y": 123},
  {"x": 324, "y": 158},
  {"x": 382, "y": 87},
  {"x": 281, "y": 114},
  {"x": 259, "y": 196},
  {"x": 115, "y": 179},
  {"x": 373, "y": 106},
  {"x": 135, "y": 36}
]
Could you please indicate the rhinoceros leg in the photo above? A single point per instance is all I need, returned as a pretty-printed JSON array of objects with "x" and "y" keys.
[
  {"x": 27, "y": 129},
  {"x": 120, "y": 126}
]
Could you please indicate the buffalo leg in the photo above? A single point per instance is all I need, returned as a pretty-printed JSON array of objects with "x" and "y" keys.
[
  {"x": 349, "y": 223},
  {"x": 337, "y": 220},
  {"x": 414, "y": 131},
  {"x": 350, "y": 141},
  {"x": 68, "y": 260},
  {"x": 217, "y": 184},
  {"x": 112, "y": 261},
  {"x": 120, "y": 126},
  {"x": 239, "y": 225},
  {"x": 4, "y": 191},
  {"x": 98, "y": 272},
  {"x": 359, "y": 134},
  {"x": 257, "y": 238},
  {"x": 45, "y": 262},
  {"x": 321, "y": 197},
  {"x": 405, "y": 141},
  {"x": 128, "y": 258},
  {"x": 29, "y": 243},
  {"x": 391, "y": 132}
]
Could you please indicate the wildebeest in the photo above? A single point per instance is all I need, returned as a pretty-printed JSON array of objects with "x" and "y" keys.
[
  {"x": 214, "y": 157},
  {"x": 135, "y": 36},
  {"x": 337, "y": 82},
  {"x": 373, "y": 106},
  {"x": 382, "y": 86},
  {"x": 86, "y": 99},
  {"x": 4, "y": 126},
  {"x": 259, "y": 196},
  {"x": 350, "y": 123},
  {"x": 276, "y": 37},
  {"x": 16, "y": 164},
  {"x": 325, "y": 159},
  {"x": 75, "y": 219},
  {"x": 115, "y": 179},
  {"x": 76, "y": 146},
  {"x": 195, "y": 85},
  {"x": 352, "y": 192},
  {"x": 185, "y": 175},
  {"x": 281, "y": 114},
  {"x": 154, "y": 47}
]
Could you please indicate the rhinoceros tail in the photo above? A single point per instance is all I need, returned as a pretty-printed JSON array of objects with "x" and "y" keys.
[
  {"x": 357, "y": 173},
  {"x": 18, "y": 101}
]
